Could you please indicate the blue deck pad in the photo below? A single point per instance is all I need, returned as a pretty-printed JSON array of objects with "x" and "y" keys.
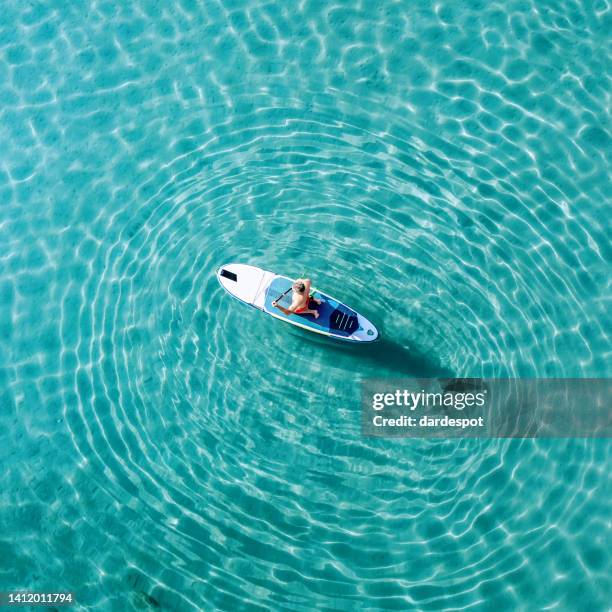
[{"x": 327, "y": 307}]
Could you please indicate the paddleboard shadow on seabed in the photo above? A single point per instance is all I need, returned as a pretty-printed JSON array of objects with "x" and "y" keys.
[{"x": 383, "y": 353}]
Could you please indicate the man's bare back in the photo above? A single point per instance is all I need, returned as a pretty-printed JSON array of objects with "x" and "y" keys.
[{"x": 300, "y": 299}]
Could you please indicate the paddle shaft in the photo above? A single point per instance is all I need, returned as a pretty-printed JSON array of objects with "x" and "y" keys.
[{"x": 280, "y": 297}]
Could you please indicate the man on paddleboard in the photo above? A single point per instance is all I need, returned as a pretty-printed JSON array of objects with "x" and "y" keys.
[{"x": 300, "y": 304}]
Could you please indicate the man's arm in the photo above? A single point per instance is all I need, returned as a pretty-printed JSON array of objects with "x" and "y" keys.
[{"x": 287, "y": 311}]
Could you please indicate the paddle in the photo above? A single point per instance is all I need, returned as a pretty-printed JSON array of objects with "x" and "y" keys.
[{"x": 280, "y": 297}]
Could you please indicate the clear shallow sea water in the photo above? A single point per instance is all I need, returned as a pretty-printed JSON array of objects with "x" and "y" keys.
[{"x": 443, "y": 167}]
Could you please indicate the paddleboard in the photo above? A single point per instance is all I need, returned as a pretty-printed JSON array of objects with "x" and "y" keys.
[{"x": 259, "y": 288}]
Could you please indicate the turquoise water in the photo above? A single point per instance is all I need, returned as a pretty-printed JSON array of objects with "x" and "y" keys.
[{"x": 441, "y": 167}]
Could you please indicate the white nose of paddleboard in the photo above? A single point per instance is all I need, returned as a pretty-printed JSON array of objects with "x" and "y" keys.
[{"x": 241, "y": 280}]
